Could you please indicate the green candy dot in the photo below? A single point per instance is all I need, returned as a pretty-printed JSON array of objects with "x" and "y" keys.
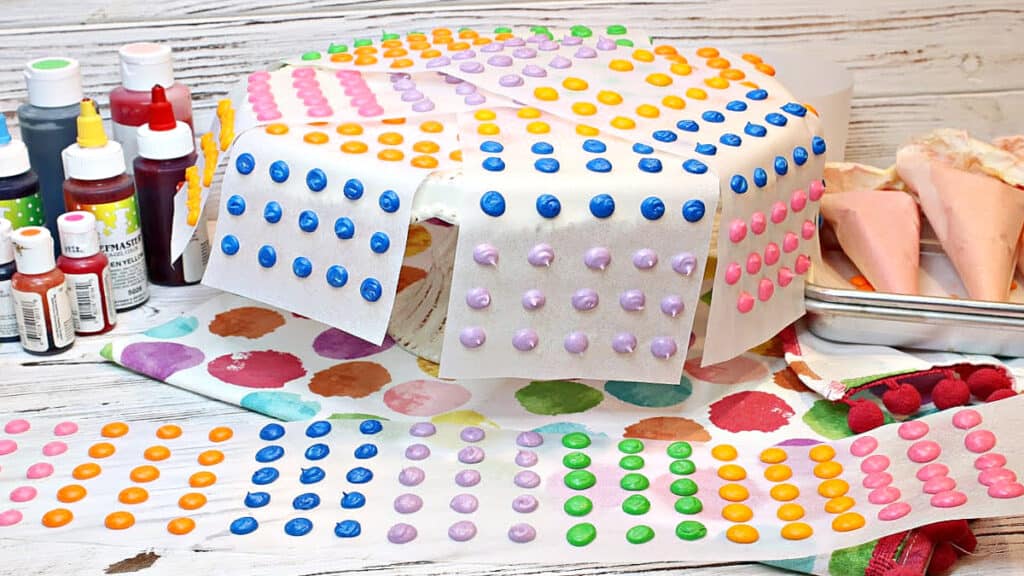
[
  {"x": 639, "y": 534},
  {"x": 539, "y": 29},
  {"x": 636, "y": 505},
  {"x": 624, "y": 42},
  {"x": 631, "y": 463},
  {"x": 578, "y": 506},
  {"x": 691, "y": 530},
  {"x": 581, "y": 31},
  {"x": 631, "y": 446},
  {"x": 683, "y": 487},
  {"x": 311, "y": 56},
  {"x": 682, "y": 467},
  {"x": 359, "y": 43},
  {"x": 576, "y": 440},
  {"x": 689, "y": 505},
  {"x": 679, "y": 450},
  {"x": 616, "y": 30},
  {"x": 502, "y": 30},
  {"x": 576, "y": 460},
  {"x": 390, "y": 36},
  {"x": 580, "y": 480},
  {"x": 337, "y": 48},
  {"x": 634, "y": 482},
  {"x": 581, "y": 534}
]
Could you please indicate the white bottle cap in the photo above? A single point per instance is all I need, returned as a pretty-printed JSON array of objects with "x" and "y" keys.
[
  {"x": 6, "y": 249},
  {"x": 13, "y": 153},
  {"x": 33, "y": 250},
  {"x": 166, "y": 144},
  {"x": 144, "y": 64},
  {"x": 53, "y": 82},
  {"x": 78, "y": 235},
  {"x": 100, "y": 163}
]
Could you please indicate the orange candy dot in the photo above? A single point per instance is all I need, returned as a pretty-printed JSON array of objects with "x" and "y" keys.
[
  {"x": 114, "y": 430},
  {"x": 620, "y": 65},
  {"x": 673, "y": 102},
  {"x": 584, "y": 108},
  {"x": 277, "y": 129},
  {"x": 833, "y": 488},
  {"x": 732, "y": 472},
  {"x": 742, "y": 534},
  {"x": 468, "y": 34},
  {"x": 623, "y": 123},
  {"x": 119, "y": 520},
  {"x": 766, "y": 69},
  {"x": 481, "y": 41},
  {"x": 575, "y": 84},
  {"x": 488, "y": 129},
  {"x": 390, "y": 155},
  {"x": 696, "y": 94},
  {"x": 71, "y": 493},
  {"x": 648, "y": 111},
  {"x": 828, "y": 470},
  {"x": 419, "y": 45},
  {"x": 456, "y": 155},
  {"x": 394, "y": 121},
  {"x": 391, "y": 44},
  {"x": 144, "y": 473},
  {"x": 57, "y": 517},
  {"x": 707, "y": 52},
  {"x": 202, "y": 479},
  {"x": 847, "y": 522},
  {"x": 546, "y": 93},
  {"x": 796, "y": 531},
  {"x": 484, "y": 115},
  {"x": 102, "y": 450},
  {"x": 354, "y": 147},
  {"x": 822, "y": 453},
  {"x": 778, "y": 473},
  {"x": 349, "y": 129},
  {"x": 749, "y": 84},
  {"x": 431, "y": 53},
  {"x": 681, "y": 69},
  {"x": 718, "y": 63},
  {"x": 737, "y": 513},
  {"x": 784, "y": 492},
  {"x": 665, "y": 49},
  {"x": 441, "y": 32},
  {"x": 659, "y": 79},
  {"x": 432, "y": 127},
  {"x": 395, "y": 52},
  {"x": 538, "y": 127},
  {"x": 504, "y": 36},
  {"x": 790, "y": 512},
  {"x": 733, "y": 493},
  {"x": 724, "y": 452},
  {"x": 839, "y": 505},
  {"x": 458, "y": 46},
  {"x": 732, "y": 74},
  {"x": 529, "y": 113},
  {"x": 643, "y": 56},
  {"x": 365, "y": 50},
  {"x": 365, "y": 60},
  {"x": 133, "y": 495},
  {"x": 180, "y": 526},
  {"x": 717, "y": 82},
  {"x": 424, "y": 162},
  {"x": 169, "y": 431},
  {"x": 773, "y": 455},
  {"x": 315, "y": 138},
  {"x": 416, "y": 37},
  {"x": 752, "y": 58},
  {"x": 426, "y": 147},
  {"x": 609, "y": 98},
  {"x": 390, "y": 138},
  {"x": 210, "y": 458},
  {"x": 342, "y": 57},
  {"x": 859, "y": 281},
  {"x": 192, "y": 501},
  {"x": 86, "y": 471}
]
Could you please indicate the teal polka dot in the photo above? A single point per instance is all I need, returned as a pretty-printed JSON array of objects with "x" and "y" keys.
[
  {"x": 176, "y": 328},
  {"x": 283, "y": 405},
  {"x": 650, "y": 395}
]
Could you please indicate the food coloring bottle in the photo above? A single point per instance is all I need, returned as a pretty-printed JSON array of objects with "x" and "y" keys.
[
  {"x": 144, "y": 65},
  {"x": 97, "y": 183},
  {"x": 47, "y": 123},
  {"x": 166, "y": 150},
  {"x": 8, "y": 318},
  {"x": 20, "y": 202},
  {"x": 41, "y": 298},
  {"x": 87, "y": 271}
]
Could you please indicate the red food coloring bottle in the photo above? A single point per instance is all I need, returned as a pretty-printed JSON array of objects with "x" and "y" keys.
[
  {"x": 87, "y": 270},
  {"x": 41, "y": 297}
]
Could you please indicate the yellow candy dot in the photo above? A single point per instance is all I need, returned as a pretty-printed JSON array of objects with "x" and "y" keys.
[
  {"x": 202, "y": 479},
  {"x": 424, "y": 162},
  {"x": 57, "y": 517},
  {"x": 432, "y": 127},
  {"x": 752, "y": 58},
  {"x": 773, "y": 456},
  {"x": 733, "y": 493},
  {"x": 341, "y": 57},
  {"x": 180, "y": 526},
  {"x": 277, "y": 129},
  {"x": 102, "y": 450},
  {"x": 707, "y": 52},
  {"x": 210, "y": 458},
  {"x": 811, "y": 109},
  {"x": 390, "y": 155},
  {"x": 724, "y": 452},
  {"x": 609, "y": 98},
  {"x": 620, "y": 65},
  {"x": 737, "y": 513},
  {"x": 584, "y": 130},
  {"x": 742, "y": 534},
  {"x": 546, "y": 93},
  {"x": 623, "y": 123},
  {"x": 828, "y": 470},
  {"x": 133, "y": 495},
  {"x": 350, "y": 129},
  {"x": 192, "y": 501},
  {"x": 784, "y": 492},
  {"x": 718, "y": 63},
  {"x": 847, "y": 522},
  {"x": 664, "y": 50},
  {"x": 114, "y": 430},
  {"x": 778, "y": 473},
  {"x": 643, "y": 56},
  {"x": 648, "y": 111},
  {"x": 156, "y": 453},
  {"x": 485, "y": 115},
  {"x": 575, "y": 84},
  {"x": 145, "y": 473},
  {"x": 732, "y": 472},
  {"x": 717, "y": 82},
  {"x": 426, "y": 147},
  {"x": 528, "y": 113},
  {"x": 86, "y": 471},
  {"x": 456, "y": 155},
  {"x": 659, "y": 79},
  {"x": 790, "y": 512},
  {"x": 749, "y": 84},
  {"x": 390, "y": 138},
  {"x": 365, "y": 60},
  {"x": 584, "y": 108},
  {"x": 822, "y": 453},
  {"x": 538, "y": 127},
  {"x": 673, "y": 102},
  {"x": 767, "y": 69},
  {"x": 365, "y": 50},
  {"x": 315, "y": 138},
  {"x": 170, "y": 431},
  {"x": 833, "y": 488},
  {"x": 353, "y": 147},
  {"x": 681, "y": 69},
  {"x": 696, "y": 94},
  {"x": 840, "y": 504},
  {"x": 796, "y": 531},
  {"x": 732, "y": 74},
  {"x": 488, "y": 129},
  {"x": 119, "y": 520},
  {"x": 71, "y": 493}
]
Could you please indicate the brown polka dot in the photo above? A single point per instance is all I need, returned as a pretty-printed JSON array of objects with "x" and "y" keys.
[
  {"x": 668, "y": 428},
  {"x": 351, "y": 379},
  {"x": 410, "y": 275},
  {"x": 248, "y": 322},
  {"x": 772, "y": 347},
  {"x": 788, "y": 379},
  {"x": 801, "y": 368}
]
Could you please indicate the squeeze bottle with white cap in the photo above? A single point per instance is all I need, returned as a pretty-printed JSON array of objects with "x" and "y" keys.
[
  {"x": 20, "y": 202},
  {"x": 41, "y": 299},
  {"x": 87, "y": 270},
  {"x": 8, "y": 319},
  {"x": 144, "y": 65}
]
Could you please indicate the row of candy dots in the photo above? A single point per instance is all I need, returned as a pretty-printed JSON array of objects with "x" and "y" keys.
[
  {"x": 411, "y": 476},
  {"x": 425, "y": 148},
  {"x": 878, "y": 480},
  {"x": 471, "y": 95},
  {"x": 933, "y": 474},
  {"x": 778, "y": 472},
  {"x": 361, "y": 96},
  {"x": 578, "y": 479},
  {"x": 685, "y": 490},
  {"x": 307, "y": 90},
  {"x": 261, "y": 97},
  {"x": 466, "y": 502},
  {"x": 526, "y": 458},
  {"x": 1000, "y": 481},
  {"x": 406, "y": 86},
  {"x": 37, "y": 471},
  {"x": 734, "y": 493},
  {"x": 835, "y": 489},
  {"x": 635, "y": 504}
]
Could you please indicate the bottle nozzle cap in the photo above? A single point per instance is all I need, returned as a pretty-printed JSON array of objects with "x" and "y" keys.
[
  {"x": 33, "y": 250},
  {"x": 90, "y": 126},
  {"x": 78, "y": 235},
  {"x": 5, "y": 134},
  {"x": 144, "y": 64},
  {"x": 13, "y": 154},
  {"x": 53, "y": 82},
  {"x": 161, "y": 115}
]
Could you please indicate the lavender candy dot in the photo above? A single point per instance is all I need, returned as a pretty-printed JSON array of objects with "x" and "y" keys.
[
  {"x": 404, "y": 84},
  {"x": 501, "y": 60},
  {"x": 560, "y": 63},
  {"x": 672, "y": 305},
  {"x": 664, "y": 347},
  {"x": 525, "y": 340},
  {"x": 402, "y": 533},
  {"x": 572, "y": 41},
  {"x": 463, "y": 55},
  {"x": 478, "y": 298},
  {"x": 423, "y": 106},
  {"x": 597, "y": 258},
  {"x": 438, "y": 62},
  {"x": 624, "y": 343},
  {"x": 645, "y": 258},
  {"x": 471, "y": 455},
  {"x": 411, "y": 476},
  {"x": 684, "y": 263},
  {"x": 541, "y": 255},
  {"x": 529, "y": 439},
  {"x": 472, "y": 337},
  {"x": 471, "y": 67},
  {"x": 396, "y": 76},
  {"x": 576, "y": 343},
  {"x": 536, "y": 38},
  {"x": 451, "y": 79},
  {"x": 533, "y": 299},
  {"x": 605, "y": 44},
  {"x": 527, "y": 479},
  {"x": 522, "y": 533},
  {"x": 585, "y": 299},
  {"x": 492, "y": 47},
  {"x": 472, "y": 434},
  {"x": 510, "y": 80},
  {"x": 465, "y": 88},
  {"x": 408, "y": 504},
  {"x": 526, "y": 458},
  {"x": 462, "y": 531},
  {"x": 485, "y": 255},
  {"x": 585, "y": 52},
  {"x": 524, "y": 52},
  {"x": 475, "y": 99},
  {"x": 412, "y": 96},
  {"x": 467, "y": 478},
  {"x": 632, "y": 300},
  {"x": 464, "y": 503},
  {"x": 547, "y": 45},
  {"x": 422, "y": 429},
  {"x": 534, "y": 71},
  {"x": 524, "y": 504},
  {"x": 417, "y": 452},
  {"x": 514, "y": 42}
]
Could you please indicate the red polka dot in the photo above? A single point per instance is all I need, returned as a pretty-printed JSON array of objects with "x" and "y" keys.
[
  {"x": 257, "y": 369},
  {"x": 750, "y": 410}
]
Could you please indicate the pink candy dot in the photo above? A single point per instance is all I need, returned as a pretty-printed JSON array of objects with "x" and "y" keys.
[
  {"x": 370, "y": 110},
  {"x": 758, "y": 222},
  {"x": 319, "y": 111},
  {"x": 884, "y": 495},
  {"x": 790, "y": 242},
  {"x": 260, "y": 76},
  {"x": 23, "y": 494},
  {"x": 876, "y": 463},
  {"x": 303, "y": 73},
  {"x": 785, "y": 276},
  {"x": 816, "y": 189},
  {"x": 924, "y": 451},
  {"x": 939, "y": 484},
  {"x": 753, "y": 263},
  {"x": 894, "y": 511},
  {"x": 745, "y": 302},
  {"x": 65, "y": 429},
  {"x": 980, "y": 441},
  {"x": 1006, "y": 490},
  {"x": 803, "y": 264},
  {"x": 10, "y": 517},
  {"x": 267, "y": 115},
  {"x": 364, "y": 100},
  {"x": 733, "y": 273},
  {"x": 39, "y": 470},
  {"x": 807, "y": 230},
  {"x": 771, "y": 254},
  {"x": 17, "y": 426},
  {"x": 996, "y": 476},
  {"x": 765, "y": 290},
  {"x": 966, "y": 419},
  {"x": 950, "y": 499},
  {"x": 778, "y": 213},
  {"x": 863, "y": 446},
  {"x": 348, "y": 74},
  {"x": 992, "y": 460},
  {"x": 798, "y": 200},
  {"x": 264, "y": 106},
  {"x": 737, "y": 230},
  {"x": 55, "y": 448},
  {"x": 314, "y": 100},
  {"x": 257, "y": 97},
  {"x": 306, "y": 83},
  {"x": 930, "y": 471},
  {"x": 877, "y": 480},
  {"x": 912, "y": 430},
  {"x": 7, "y": 446}
]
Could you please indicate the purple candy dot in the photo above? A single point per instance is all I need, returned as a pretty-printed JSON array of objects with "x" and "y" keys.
[
  {"x": 684, "y": 263},
  {"x": 404, "y": 84},
  {"x": 572, "y": 41},
  {"x": 526, "y": 458},
  {"x": 524, "y": 52},
  {"x": 533, "y": 299},
  {"x": 492, "y": 47},
  {"x": 467, "y": 478},
  {"x": 463, "y": 55},
  {"x": 423, "y": 106},
  {"x": 525, "y": 340},
  {"x": 514, "y": 43},
  {"x": 408, "y": 503},
  {"x": 471, "y": 67},
  {"x": 529, "y": 439},
  {"x": 438, "y": 62},
  {"x": 527, "y": 479},
  {"x": 524, "y": 504},
  {"x": 597, "y": 258},
  {"x": 422, "y": 429},
  {"x": 522, "y": 533},
  {"x": 401, "y": 533},
  {"x": 605, "y": 44},
  {"x": 585, "y": 299},
  {"x": 632, "y": 300},
  {"x": 465, "y": 88},
  {"x": 452, "y": 79},
  {"x": 672, "y": 305},
  {"x": 409, "y": 96},
  {"x": 560, "y": 63},
  {"x": 417, "y": 452},
  {"x": 541, "y": 255},
  {"x": 485, "y": 255},
  {"x": 547, "y": 45},
  {"x": 475, "y": 99},
  {"x": 585, "y": 52},
  {"x": 624, "y": 343},
  {"x": 411, "y": 476},
  {"x": 645, "y": 258},
  {"x": 576, "y": 343},
  {"x": 664, "y": 347},
  {"x": 501, "y": 60},
  {"x": 511, "y": 80},
  {"x": 472, "y": 434},
  {"x": 471, "y": 455},
  {"x": 462, "y": 531},
  {"x": 464, "y": 503},
  {"x": 478, "y": 298},
  {"x": 472, "y": 337},
  {"x": 534, "y": 71}
]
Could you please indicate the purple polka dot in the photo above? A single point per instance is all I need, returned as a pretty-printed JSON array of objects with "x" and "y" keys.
[{"x": 337, "y": 345}]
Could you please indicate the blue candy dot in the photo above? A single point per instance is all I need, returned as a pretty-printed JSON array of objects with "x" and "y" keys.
[
  {"x": 781, "y": 166},
  {"x": 491, "y": 147},
  {"x": 542, "y": 148},
  {"x": 736, "y": 106},
  {"x": 269, "y": 453},
  {"x": 548, "y": 206},
  {"x": 245, "y": 163},
  {"x": 302, "y": 267},
  {"x": 738, "y": 184},
  {"x": 600, "y": 165},
  {"x": 652, "y": 165},
  {"x": 546, "y": 165},
  {"x": 257, "y": 499},
  {"x": 370, "y": 426},
  {"x": 306, "y": 501},
  {"x": 244, "y": 525},
  {"x": 317, "y": 451},
  {"x": 688, "y": 126},
  {"x": 758, "y": 94},
  {"x": 652, "y": 208},
  {"x": 594, "y": 146},
  {"x": 775, "y": 119},
  {"x": 693, "y": 210},
  {"x": 265, "y": 475},
  {"x": 794, "y": 109},
  {"x": 359, "y": 475},
  {"x": 713, "y": 116},
  {"x": 729, "y": 139},
  {"x": 308, "y": 221},
  {"x": 370, "y": 290},
  {"x": 298, "y": 527},
  {"x": 337, "y": 276},
  {"x": 236, "y": 205},
  {"x": 272, "y": 212},
  {"x": 312, "y": 475},
  {"x": 760, "y": 177},
  {"x": 344, "y": 228},
  {"x": 695, "y": 166},
  {"x": 318, "y": 429},
  {"x": 365, "y": 451},
  {"x": 353, "y": 189},
  {"x": 800, "y": 155},
  {"x": 271, "y": 432},
  {"x": 389, "y": 201},
  {"x": 755, "y": 130},
  {"x": 347, "y": 529},
  {"x": 380, "y": 242},
  {"x": 492, "y": 203},
  {"x": 229, "y": 245},
  {"x": 267, "y": 256},
  {"x": 602, "y": 205},
  {"x": 351, "y": 500},
  {"x": 818, "y": 145},
  {"x": 316, "y": 180},
  {"x": 279, "y": 171},
  {"x": 664, "y": 136},
  {"x": 706, "y": 149},
  {"x": 493, "y": 164},
  {"x": 641, "y": 148}
]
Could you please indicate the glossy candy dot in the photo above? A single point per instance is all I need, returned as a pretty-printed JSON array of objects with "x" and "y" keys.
[
  {"x": 690, "y": 530},
  {"x": 578, "y": 506},
  {"x": 599, "y": 165},
  {"x": 256, "y": 499},
  {"x": 652, "y": 208},
  {"x": 298, "y": 527},
  {"x": 818, "y": 145},
  {"x": 631, "y": 446},
  {"x": 548, "y": 205},
  {"x": 181, "y": 526},
  {"x": 380, "y": 242},
  {"x": 796, "y": 531},
  {"x": 581, "y": 534},
  {"x": 781, "y": 166},
  {"x": 924, "y": 451},
  {"x": 302, "y": 267},
  {"x": 353, "y": 189},
  {"x": 730, "y": 140},
  {"x": 733, "y": 492},
  {"x": 308, "y": 221},
  {"x": 737, "y": 513},
  {"x": 279, "y": 171},
  {"x": 579, "y": 480},
  {"x": 119, "y": 520},
  {"x": 266, "y": 475},
  {"x": 683, "y": 487},
  {"x": 784, "y": 492},
  {"x": 695, "y": 167},
  {"x": 682, "y": 467},
  {"x": 966, "y": 419},
  {"x": 71, "y": 493},
  {"x": 65, "y": 429},
  {"x": 848, "y": 522},
  {"x": 236, "y": 205},
  {"x": 912, "y": 430},
  {"x": 245, "y": 163},
  {"x": 370, "y": 290},
  {"x": 632, "y": 462},
  {"x": 316, "y": 180},
  {"x": 833, "y": 488},
  {"x": 863, "y": 446},
  {"x": 389, "y": 201},
  {"x": 634, "y": 482},
  {"x": 706, "y": 149},
  {"x": 991, "y": 460},
  {"x": 679, "y": 449},
  {"x": 244, "y": 525},
  {"x": 760, "y": 177},
  {"x": 202, "y": 479},
  {"x": 86, "y": 471},
  {"x": 269, "y": 453},
  {"x": 800, "y": 155},
  {"x": 979, "y": 441},
  {"x": 775, "y": 119},
  {"x": 492, "y": 203},
  {"x": 689, "y": 505},
  {"x": 778, "y": 473},
  {"x": 351, "y": 500},
  {"x": 602, "y": 205},
  {"x": 742, "y": 534},
  {"x": 210, "y": 458},
  {"x": 542, "y": 148},
  {"x": 267, "y": 256},
  {"x": 546, "y": 165}
]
